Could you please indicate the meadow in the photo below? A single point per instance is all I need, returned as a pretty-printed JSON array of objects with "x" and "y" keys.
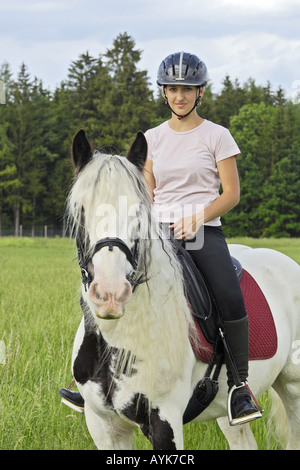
[{"x": 39, "y": 316}]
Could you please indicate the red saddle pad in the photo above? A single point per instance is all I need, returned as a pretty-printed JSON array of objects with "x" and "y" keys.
[{"x": 262, "y": 330}]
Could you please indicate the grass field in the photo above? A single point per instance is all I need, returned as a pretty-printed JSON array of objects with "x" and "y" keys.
[{"x": 39, "y": 315}]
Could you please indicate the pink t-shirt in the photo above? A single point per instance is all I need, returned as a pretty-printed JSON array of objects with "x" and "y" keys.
[{"x": 185, "y": 168}]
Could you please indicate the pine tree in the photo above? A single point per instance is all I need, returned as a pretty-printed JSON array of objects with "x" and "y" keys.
[
  {"x": 110, "y": 97},
  {"x": 29, "y": 133},
  {"x": 131, "y": 99},
  {"x": 229, "y": 101}
]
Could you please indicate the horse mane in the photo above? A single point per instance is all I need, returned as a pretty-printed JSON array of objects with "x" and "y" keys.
[
  {"x": 103, "y": 180},
  {"x": 158, "y": 305}
]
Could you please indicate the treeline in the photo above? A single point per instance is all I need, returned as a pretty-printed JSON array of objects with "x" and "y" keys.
[{"x": 111, "y": 98}]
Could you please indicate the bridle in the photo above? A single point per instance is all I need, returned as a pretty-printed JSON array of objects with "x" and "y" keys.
[{"x": 131, "y": 255}]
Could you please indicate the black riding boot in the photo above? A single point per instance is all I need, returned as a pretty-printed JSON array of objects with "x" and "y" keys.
[
  {"x": 241, "y": 408},
  {"x": 72, "y": 399}
]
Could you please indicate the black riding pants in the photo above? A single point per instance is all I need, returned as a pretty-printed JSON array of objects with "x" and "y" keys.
[{"x": 214, "y": 262}]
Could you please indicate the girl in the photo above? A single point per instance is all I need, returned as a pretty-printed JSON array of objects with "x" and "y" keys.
[{"x": 188, "y": 158}]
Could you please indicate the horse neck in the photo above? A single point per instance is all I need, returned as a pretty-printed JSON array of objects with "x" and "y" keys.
[{"x": 156, "y": 323}]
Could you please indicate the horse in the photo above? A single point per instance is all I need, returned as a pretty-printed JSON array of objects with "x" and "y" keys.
[{"x": 133, "y": 360}]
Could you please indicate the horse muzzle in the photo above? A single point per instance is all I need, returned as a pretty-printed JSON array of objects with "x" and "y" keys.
[
  {"x": 109, "y": 314},
  {"x": 109, "y": 304}
]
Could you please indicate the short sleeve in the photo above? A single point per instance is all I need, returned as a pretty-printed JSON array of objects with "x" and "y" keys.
[
  {"x": 149, "y": 145},
  {"x": 226, "y": 146}
]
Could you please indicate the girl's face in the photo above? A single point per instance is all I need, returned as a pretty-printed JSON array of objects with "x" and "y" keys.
[{"x": 182, "y": 98}]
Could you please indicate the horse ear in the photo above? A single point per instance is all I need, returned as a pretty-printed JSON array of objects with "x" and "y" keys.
[
  {"x": 81, "y": 151},
  {"x": 138, "y": 151}
]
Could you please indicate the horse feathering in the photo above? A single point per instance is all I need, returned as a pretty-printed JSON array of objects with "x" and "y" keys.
[{"x": 159, "y": 304}]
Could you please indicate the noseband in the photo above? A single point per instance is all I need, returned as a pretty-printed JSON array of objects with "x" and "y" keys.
[
  {"x": 131, "y": 255},
  {"x": 114, "y": 241}
]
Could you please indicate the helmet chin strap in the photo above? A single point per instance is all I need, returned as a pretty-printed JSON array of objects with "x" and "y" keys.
[{"x": 180, "y": 116}]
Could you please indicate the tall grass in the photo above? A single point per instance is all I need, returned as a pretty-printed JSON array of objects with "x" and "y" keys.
[{"x": 39, "y": 316}]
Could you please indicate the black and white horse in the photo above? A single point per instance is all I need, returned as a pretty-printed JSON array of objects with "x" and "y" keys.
[{"x": 132, "y": 359}]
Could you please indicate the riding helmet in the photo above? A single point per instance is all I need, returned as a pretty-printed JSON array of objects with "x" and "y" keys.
[{"x": 182, "y": 68}]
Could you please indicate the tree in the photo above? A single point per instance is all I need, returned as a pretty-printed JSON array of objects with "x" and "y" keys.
[
  {"x": 269, "y": 171},
  {"x": 110, "y": 97},
  {"x": 28, "y": 131},
  {"x": 252, "y": 130},
  {"x": 230, "y": 100},
  {"x": 280, "y": 207},
  {"x": 6, "y": 81},
  {"x": 86, "y": 87},
  {"x": 131, "y": 100},
  {"x": 7, "y": 167}
]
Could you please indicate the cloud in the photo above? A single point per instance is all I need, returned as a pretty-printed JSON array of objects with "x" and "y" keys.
[
  {"x": 48, "y": 60},
  {"x": 258, "y": 6},
  {"x": 249, "y": 38},
  {"x": 35, "y": 6},
  {"x": 261, "y": 56}
]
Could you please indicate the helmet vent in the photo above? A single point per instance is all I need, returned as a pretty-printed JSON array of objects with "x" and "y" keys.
[{"x": 182, "y": 67}]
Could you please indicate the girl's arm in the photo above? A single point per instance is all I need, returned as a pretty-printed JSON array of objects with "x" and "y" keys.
[{"x": 187, "y": 227}]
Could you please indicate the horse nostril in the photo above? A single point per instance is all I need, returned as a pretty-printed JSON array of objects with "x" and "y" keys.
[
  {"x": 126, "y": 293},
  {"x": 95, "y": 292},
  {"x": 101, "y": 293}
]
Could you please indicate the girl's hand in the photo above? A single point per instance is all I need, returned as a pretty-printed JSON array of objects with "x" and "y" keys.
[{"x": 187, "y": 227}]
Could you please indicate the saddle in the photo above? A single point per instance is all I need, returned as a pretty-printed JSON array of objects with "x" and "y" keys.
[
  {"x": 212, "y": 342},
  {"x": 197, "y": 292}
]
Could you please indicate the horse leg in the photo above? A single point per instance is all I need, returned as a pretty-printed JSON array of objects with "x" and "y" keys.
[
  {"x": 163, "y": 432},
  {"x": 287, "y": 385},
  {"x": 238, "y": 437},
  {"x": 109, "y": 432}
]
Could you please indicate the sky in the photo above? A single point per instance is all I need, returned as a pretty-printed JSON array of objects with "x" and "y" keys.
[{"x": 240, "y": 38}]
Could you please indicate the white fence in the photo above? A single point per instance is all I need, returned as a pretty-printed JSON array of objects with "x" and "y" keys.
[{"x": 44, "y": 231}]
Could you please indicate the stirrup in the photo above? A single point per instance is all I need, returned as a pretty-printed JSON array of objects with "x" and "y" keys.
[
  {"x": 68, "y": 398},
  {"x": 246, "y": 418},
  {"x": 72, "y": 405}
]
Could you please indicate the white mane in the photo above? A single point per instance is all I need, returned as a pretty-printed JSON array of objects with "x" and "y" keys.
[{"x": 158, "y": 308}]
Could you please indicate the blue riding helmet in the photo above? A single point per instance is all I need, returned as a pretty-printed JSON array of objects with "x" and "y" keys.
[{"x": 182, "y": 68}]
